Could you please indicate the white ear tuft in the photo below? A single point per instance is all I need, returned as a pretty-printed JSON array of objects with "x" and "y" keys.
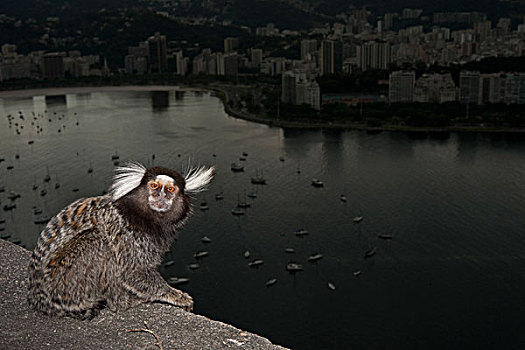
[
  {"x": 126, "y": 179},
  {"x": 198, "y": 178}
]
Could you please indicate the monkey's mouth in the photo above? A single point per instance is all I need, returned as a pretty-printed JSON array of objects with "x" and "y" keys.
[{"x": 159, "y": 205}]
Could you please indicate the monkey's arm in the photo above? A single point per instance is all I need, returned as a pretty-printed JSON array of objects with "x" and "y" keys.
[{"x": 150, "y": 286}]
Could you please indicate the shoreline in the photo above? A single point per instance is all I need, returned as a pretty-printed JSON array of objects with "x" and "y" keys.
[
  {"x": 272, "y": 122},
  {"x": 24, "y": 93},
  {"x": 319, "y": 124}
]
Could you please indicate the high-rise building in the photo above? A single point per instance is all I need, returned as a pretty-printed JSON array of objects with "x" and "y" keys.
[
  {"x": 181, "y": 63},
  {"x": 9, "y": 50},
  {"x": 401, "y": 86},
  {"x": 256, "y": 57},
  {"x": 300, "y": 88},
  {"x": 288, "y": 87},
  {"x": 231, "y": 44},
  {"x": 521, "y": 93},
  {"x": 389, "y": 20},
  {"x": 510, "y": 86},
  {"x": 53, "y": 65},
  {"x": 434, "y": 88},
  {"x": 273, "y": 65},
  {"x": 482, "y": 30},
  {"x": 504, "y": 25},
  {"x": 470, "y": 87},
  {"x": 374, "y": 55},
  {"x": 491, "y": 88},
  {"x": 158, "y": 53},
  {"x": 308, "y": 48},
  {"x": 227, "y": 64},
  {"x": 331, "y": 57},
  {"x": 313, "y": 95}
]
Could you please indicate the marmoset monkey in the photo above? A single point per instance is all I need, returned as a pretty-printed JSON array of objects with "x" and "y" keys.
[{"x": 105, "y": 251}]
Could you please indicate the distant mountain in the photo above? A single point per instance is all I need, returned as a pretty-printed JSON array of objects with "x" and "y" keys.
[
  {"x": 49, "y": 8},
  {"x": 291, "y": 14}
]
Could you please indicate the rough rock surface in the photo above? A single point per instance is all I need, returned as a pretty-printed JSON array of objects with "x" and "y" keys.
[{"x": 22, "y": 328}]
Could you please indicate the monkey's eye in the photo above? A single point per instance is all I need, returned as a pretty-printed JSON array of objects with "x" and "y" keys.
[
  {"x": 170, "y": 189},
  {"x": 154, "y": 185}
]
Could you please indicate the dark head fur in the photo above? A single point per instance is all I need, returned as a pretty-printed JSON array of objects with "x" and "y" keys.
[{"x": 130, "y": 194}]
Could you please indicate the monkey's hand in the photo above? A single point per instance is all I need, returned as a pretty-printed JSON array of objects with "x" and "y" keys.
[
  {"x": 179, "y": 298},
  {"x": 150, "y": 286}
]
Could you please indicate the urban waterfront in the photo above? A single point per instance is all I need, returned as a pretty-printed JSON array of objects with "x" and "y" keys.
[{"x": 448, "y": 271}]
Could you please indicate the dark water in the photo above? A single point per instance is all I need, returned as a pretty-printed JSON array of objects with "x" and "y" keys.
[{"x": 452, "y": 276}]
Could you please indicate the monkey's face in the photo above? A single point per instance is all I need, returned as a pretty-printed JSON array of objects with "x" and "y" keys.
[{"x": 162, "y": 191}]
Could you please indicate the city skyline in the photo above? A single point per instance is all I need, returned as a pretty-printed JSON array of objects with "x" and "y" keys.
[{"x": 350, "y": 43}]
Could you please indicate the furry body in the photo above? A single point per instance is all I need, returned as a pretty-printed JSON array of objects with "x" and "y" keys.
[{"x": 105, "y": 251}]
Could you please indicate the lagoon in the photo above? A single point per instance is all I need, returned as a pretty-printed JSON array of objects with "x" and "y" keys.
[{"x": 452, "y": 276}]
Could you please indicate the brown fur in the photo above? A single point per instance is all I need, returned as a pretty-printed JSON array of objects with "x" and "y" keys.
[{"x": 99, "y": 252}]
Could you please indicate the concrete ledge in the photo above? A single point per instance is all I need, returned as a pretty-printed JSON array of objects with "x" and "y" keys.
[{"x": 22, "y": 328}]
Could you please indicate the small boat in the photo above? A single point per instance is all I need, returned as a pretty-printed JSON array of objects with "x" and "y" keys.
[
  {"x": 194, "y": 266},
  {"x": 244, "y": 154},
  {"x": 2, "y": 221},
  {"x": 57, "y": 186},
  {"x": 342, "y": 198},
  {"x": 204, "y": 206},
  {"x": 236, "y": 167},
  {"x": 294, "y": 267},
  {"x": 315, "y": 257},
  {"x": 331, "y": 286},
  {"x": 2, "y": 189},
  {"x": 242, "y": 159},
  {"x": 290, "y": 250},
  {"x": 8, "y": 207},
  {"x": 258, "y": 180},
  {"x": 42, "y": 220},
  {"x": 175, "y": 281},
  {"x": 10, "y": 167},
  {"x": 43, "y": 193},
  {"x": 370, "y": 252},
  {"x": 115, "y": 156},
  {"x": 206, "y": 239},
  {"x": 271, "y": 282},
  {"x": 30, "y": 142},
  {"x": 169, "y": 263},
  {"x": 243, "y": 205},
  {"x": 75, "y": 190},
  {"x": 317, "y": 183},
  {"x": 357, "y": 273},
  {"x": 247, "y": 254},
  {"x": 219, "y": 196},
  {"x": 200, "y": 254},
  {"x": 255, "y": 263},
  {"x": 281, "y": 159},
  {"x": 47, "y": 178},
  {"x": 252, "y": 195},
  {"x": 358, "y": 219},
  {"x": 237, "y": 211},
  {"x": 37, "y": 211},
  {"x": 384, "y": 236},
  {"x": 301, "y": 232},
  {"x": 13, "y": 196}
]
